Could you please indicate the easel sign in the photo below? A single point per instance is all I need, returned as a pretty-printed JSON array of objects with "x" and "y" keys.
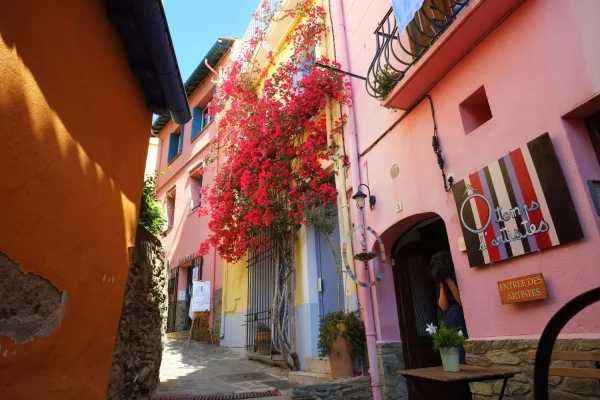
[
  {"x": 200, "y": 297},
  {"x": 200, "y": 304}
]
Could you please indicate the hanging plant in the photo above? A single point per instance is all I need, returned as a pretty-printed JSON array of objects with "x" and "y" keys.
[
  {"x": 273, "y": 140},
  {"x": 385, "y": 79}
]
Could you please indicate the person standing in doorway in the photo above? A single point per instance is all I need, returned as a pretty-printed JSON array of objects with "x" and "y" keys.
[{"x": 441, "y": 270}]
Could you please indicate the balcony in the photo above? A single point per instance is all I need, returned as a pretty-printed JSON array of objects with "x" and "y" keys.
[{"x": 410, "y": 61}]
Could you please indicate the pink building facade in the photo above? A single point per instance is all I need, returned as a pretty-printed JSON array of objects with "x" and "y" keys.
[
  {"x": 181, "y": 154},
  {"x": 499, "y": 75}
]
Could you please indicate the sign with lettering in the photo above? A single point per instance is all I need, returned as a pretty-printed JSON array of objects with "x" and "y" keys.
[
  {"x": 519, "y": 204},
  {"x": 200, "y": 297},
  {"x": 524, "y": 288}
]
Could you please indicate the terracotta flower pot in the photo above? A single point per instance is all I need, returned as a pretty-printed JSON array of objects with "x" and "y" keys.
[{"x": 340, "y": 362}]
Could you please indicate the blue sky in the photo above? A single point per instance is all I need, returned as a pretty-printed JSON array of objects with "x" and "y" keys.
[{"x": 195, "y": 25}]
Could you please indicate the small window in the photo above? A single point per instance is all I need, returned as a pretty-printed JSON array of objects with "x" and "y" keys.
[
  {"x": 170, "y": 201},
  {"x": 200, "y": 120},
  {"x": 195, "y": 186},
  {"x": 175, "y": 144},
  {"x": 307, "y": 61},
  {"x": 475, "y": 110}
]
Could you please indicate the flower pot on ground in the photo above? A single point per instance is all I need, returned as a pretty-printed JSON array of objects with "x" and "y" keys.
[
  {"x": 449, "y": 342},
  {"x": 341, "y": 338},
  {"x": 262, "y": 339}
]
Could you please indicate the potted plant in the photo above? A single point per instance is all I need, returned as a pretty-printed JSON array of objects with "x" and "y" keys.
[
  {"x": 342, "y": 339},
  {"x": 385, "y": 80},
  {"x": 263, "y": 339},
  {"x": 449, "y": 342}
]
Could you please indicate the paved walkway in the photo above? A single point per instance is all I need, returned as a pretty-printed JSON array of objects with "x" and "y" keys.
[{"x": 202, "y": 369}]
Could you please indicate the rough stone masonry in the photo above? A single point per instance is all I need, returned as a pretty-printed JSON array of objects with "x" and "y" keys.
[
  {"x": 138, "y": 347},
  {"x": 29, "y": 304}
]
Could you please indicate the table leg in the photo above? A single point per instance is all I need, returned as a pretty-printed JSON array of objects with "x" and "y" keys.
[
  {"x": 416, "y": 385},
  {"x": 503, "y": 388}
]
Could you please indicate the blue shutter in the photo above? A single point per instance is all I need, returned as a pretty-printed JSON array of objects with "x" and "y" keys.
[
  {"x": 196, "y": 122},
  {"x": 173, "y": 145}
]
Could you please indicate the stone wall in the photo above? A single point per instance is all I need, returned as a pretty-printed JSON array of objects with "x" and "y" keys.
[
  {"x": 514, "y": 354},
  {"x": 391, "y": 360},
  {"x": 216, "y": 315},
  {"x": 181, "y": 316},
  {"x": 347, "y": 389},
  {"x": 138, "y": 347}
]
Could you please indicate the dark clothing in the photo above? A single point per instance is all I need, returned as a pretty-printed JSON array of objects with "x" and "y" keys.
[{"x": 453, "y": 317}]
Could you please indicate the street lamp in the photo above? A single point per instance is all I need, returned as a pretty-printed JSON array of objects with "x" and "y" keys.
[{"x": 360, "y": 198}]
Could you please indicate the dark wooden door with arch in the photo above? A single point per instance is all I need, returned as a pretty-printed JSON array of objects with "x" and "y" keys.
[{"x": 416, "y": 298}]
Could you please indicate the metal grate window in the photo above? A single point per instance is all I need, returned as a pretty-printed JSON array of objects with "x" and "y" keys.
[{"x": 422, "y": 292}]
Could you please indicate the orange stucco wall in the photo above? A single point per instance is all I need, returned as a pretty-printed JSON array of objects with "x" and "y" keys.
[{"x": 74, "y": 136}]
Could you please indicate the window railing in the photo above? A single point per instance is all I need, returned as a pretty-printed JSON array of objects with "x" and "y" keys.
[{"x": 398, "y": 51}]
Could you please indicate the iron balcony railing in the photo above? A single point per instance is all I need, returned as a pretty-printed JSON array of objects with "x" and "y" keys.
[
  {"x": 258, "y": 23},
  {"x": 398, "y": 51}
]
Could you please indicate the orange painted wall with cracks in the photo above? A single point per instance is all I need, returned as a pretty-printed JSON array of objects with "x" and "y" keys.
[{"x": 74, "y": 136}]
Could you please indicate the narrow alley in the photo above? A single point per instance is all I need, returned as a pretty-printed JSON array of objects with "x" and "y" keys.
[{"x": 203, "y": 371}]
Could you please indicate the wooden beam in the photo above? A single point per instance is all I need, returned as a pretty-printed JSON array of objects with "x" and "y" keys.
[
  {"x": 570, "y": 356},
  {"x": 575, "y": 372}
]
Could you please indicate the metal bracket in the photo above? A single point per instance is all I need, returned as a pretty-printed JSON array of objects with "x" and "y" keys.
[{"x": 339, "y": 71}]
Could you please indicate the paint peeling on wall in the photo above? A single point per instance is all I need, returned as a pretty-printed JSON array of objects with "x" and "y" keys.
[{"x": 30, "y": 305}]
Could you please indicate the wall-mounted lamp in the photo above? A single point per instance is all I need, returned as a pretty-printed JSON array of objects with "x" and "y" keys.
[{"x": 360, "y": 197}]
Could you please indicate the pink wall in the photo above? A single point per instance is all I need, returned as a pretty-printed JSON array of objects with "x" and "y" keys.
[
  {"x": 189, "y": 230},
  {"x": 538, "y": 65}
]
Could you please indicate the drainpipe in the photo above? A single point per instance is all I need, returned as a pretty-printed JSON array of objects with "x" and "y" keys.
[{"x": 364, "y": 294}]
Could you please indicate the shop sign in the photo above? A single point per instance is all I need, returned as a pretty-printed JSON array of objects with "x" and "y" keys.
[
  {"x": 524, "y": 288},
  {"x": 517, "y": 205}
]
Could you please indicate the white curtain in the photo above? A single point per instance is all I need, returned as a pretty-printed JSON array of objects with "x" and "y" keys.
[{"x": 404, "y": 11}]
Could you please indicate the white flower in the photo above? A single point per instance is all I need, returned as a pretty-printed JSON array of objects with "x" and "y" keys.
[
  {"x": 460, "y": 333},
  {"x": 431, "y": 329}
]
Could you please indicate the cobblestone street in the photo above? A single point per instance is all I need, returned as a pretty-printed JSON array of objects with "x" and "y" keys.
[{"x": 202, "y": 369}]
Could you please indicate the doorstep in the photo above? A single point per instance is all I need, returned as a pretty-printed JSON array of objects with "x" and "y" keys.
[{"x": 303, "y": 378}]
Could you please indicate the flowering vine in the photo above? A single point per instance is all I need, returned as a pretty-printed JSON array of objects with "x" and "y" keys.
[{"x": 271, "y": 143}]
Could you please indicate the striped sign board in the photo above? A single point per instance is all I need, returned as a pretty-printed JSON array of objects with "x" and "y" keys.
[{"x": 516, "y": 205}]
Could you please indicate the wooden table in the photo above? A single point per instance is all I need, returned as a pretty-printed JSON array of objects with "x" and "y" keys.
[{"x": 468, "y": 373}]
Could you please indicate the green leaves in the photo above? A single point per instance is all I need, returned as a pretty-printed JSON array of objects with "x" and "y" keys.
[
  {"x": 354, "y": 333},
  {"x": 151, "y": 211},
  {"x": 446, "y": 337}
]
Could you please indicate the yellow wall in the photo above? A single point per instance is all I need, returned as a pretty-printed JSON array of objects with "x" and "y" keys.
[
  {"x": 74, "y": 133},
  {"x": 235, "y": 295}
]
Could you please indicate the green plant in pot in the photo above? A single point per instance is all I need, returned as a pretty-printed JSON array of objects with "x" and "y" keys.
[
  {"x": 342, "y": 339},
  {"x": 449, "y": 342},
  {"x": 263, "y": 339}
]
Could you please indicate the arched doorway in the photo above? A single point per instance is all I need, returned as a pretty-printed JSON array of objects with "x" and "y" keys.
[{"x": 416, "y": 293}]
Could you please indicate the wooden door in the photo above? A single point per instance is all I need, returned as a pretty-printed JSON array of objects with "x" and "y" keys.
[{"x": 417, "y": 306}]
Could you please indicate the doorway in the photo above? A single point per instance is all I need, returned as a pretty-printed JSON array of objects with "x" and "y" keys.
[
  {"x": 330, "y": 283},
  {"x": 416, "y": 297}
]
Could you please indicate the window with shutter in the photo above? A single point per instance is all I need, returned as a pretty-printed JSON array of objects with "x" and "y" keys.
[
  {"x": 196, "y": 122},
  {"x": 175, "y": 145}
]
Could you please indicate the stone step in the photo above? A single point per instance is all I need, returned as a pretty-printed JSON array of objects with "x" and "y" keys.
[
  {"x": 181, "y": 335},
  {"x": 308, "y": 378},
  {"x": 318, "y": 365},
  {"x": 275, "y": 360}
]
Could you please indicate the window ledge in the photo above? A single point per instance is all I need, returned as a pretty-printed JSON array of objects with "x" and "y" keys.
[
  {"x": 174, "y": 158},
  {"x": 194, "y": 210}
]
